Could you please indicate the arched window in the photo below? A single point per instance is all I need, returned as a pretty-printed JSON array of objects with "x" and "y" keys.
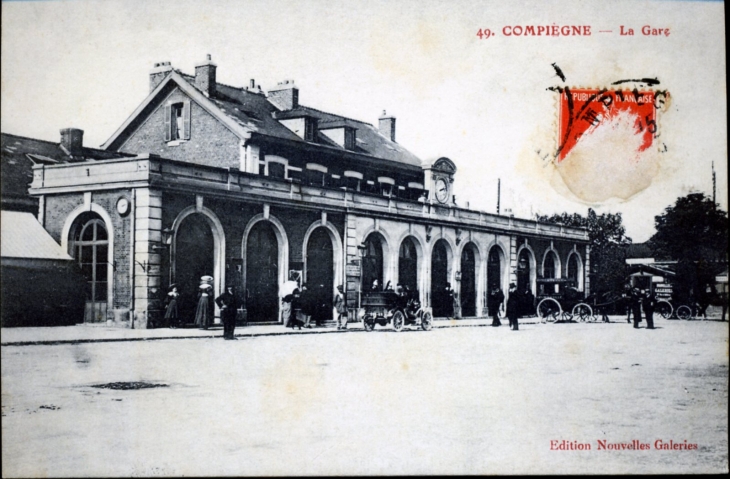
[
  {"x": 90, "y": 249},
  {"x": 549, "y": 266}
]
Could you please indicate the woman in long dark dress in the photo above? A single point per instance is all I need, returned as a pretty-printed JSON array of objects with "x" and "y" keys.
[
  {"x": 171, "y": 313},
  {"x": 296, "y": 310},
  {"x": 203, "y": 316}
]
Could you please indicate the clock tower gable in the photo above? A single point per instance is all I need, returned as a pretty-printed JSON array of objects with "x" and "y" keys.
[{"x": 439, "y": 180}]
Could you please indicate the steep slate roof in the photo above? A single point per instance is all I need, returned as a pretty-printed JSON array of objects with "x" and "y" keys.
[
  {"x": 19, "y": 153},
  {"x": 24, "y": 237},
  {"x": 247, "y": 112}
]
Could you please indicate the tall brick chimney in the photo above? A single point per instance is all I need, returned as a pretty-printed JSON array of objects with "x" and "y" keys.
[
  {"x": 158, "y": 73},
  {"x": 72, "y": 139},
  {"x": 386, "y": 126},
  {"x": 285, "y": 95},
  {"x": 205, "y": 76}
]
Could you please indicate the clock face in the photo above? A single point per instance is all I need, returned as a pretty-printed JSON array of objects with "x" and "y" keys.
[
  {"x": 442, "y": 190},
  {"x": 122, "y": 206}
]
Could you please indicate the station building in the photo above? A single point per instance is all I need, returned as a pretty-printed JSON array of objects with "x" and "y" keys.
[{"x": 253, "y": 188}]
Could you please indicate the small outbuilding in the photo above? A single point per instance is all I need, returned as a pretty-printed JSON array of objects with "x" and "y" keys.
[{"x": 41, "y": 284}]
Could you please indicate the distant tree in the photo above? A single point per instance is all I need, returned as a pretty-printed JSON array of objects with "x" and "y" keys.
[
  {"x": 607, "y": 237},
  {"x": 694, "y": 232}
]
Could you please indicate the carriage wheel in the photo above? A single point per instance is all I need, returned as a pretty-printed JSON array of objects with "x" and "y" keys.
[
  {"x": 398, "y": 320},
  {"x": 684, "y": 312},
  {"x": 548, "y": 309},
  {"x": 664, "y": 308},
  {"x": 566, "y": 316},
  {"x": 368, "y": 322},
  {"x": 584, "y": 312},
  {"x": 426, "y": 321}
]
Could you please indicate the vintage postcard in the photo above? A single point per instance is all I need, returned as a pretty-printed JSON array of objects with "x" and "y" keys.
[{"x": 248, "y": 238}]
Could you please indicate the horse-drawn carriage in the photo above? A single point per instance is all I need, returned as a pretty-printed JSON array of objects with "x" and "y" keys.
[
  {"x": 400, "y": 309},
  {"x": 559, "y": 300}
]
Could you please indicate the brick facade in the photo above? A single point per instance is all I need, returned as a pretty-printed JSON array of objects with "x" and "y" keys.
[{"x": 210, "y": 142}]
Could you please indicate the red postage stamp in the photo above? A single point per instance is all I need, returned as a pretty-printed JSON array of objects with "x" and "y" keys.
[{"x": 584, "y": 111}]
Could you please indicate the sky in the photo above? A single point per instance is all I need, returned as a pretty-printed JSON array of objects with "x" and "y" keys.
[{"x": 482, "y": 102}]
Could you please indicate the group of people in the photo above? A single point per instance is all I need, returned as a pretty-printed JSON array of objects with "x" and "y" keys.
[
  {"x": 638, "y": 300},
  {"x": 301, "y": 306},
  {"x": 227, "y": 303},
  {"x": 515, "y": 307}
]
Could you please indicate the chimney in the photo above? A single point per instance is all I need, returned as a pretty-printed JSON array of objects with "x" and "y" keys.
[
  {"x": 386, "y": 126},
  {"x": 205, "y": 76},
  {"x": 158, "y": 73},
  {"x": 285, "y": 96},
  {"x": 72, "y": 139}
]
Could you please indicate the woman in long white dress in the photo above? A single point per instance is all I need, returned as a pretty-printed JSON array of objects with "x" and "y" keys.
[{"x": 203, "y": 316}]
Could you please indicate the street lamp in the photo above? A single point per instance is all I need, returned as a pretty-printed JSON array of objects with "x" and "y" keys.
[{"x": 362, "y": 251}]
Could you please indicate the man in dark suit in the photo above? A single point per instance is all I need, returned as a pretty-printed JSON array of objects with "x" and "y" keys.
[
  {"x": 636, "y": 306},
  {"x": 648, "y": 302},
  {"x": 494, "y": 302},
  {"x": 228, "y": 306},
  {"x": 513, "y": 307}
]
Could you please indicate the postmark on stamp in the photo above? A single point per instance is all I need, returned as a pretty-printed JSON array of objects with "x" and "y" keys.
[{"x": 608, "y": 141}]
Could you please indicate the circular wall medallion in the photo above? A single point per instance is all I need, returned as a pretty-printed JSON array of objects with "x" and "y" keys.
[{"x": 123, "y": 206}]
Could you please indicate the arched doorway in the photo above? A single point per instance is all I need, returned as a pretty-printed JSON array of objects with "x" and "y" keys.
[
  {"x": 408, "y": 265},
  {"x": 262, "y": 274},
  {"x": 549, "y": 271},
  {"x": 90, "y": 249},
  {"x": 494, "y": 268},
  {"x": 195, "y": 257},
  {"x": 320, "y": 270},
  {"x": 524, "y": 282},
  {"x": 372, "y": 262},
  {"x": 550, "y": 265},
  {"x": 468, "y": 282},
  {"x": 574, "y": 271},
  {"x": 439, "y": 278}
]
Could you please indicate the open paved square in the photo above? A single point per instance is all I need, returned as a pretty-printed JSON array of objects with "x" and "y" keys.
[{"x": 450, "y": 401}]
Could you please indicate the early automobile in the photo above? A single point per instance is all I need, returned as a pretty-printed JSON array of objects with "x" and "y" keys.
[{"x": 400, "y": 309}]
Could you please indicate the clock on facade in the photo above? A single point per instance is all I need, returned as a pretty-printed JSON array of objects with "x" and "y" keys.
[
  {"x": 442, "y": 190},
  {"x": 122, "y": 206}
]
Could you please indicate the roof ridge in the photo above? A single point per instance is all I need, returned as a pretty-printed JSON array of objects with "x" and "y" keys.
[
  {"x": 340, "y": 117},
  {"x": 240, "y": 88},
  {"x": 58, "y": 143}
]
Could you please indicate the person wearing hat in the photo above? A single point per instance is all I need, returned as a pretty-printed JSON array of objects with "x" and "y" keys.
[
  {"x": 203, "y": 316},
  {"x": 636, "y": 306},
  {"x": 494, "y": 303},
  {"x": 309, "y": 303},
  {"x": 513, "y": 305},
  {"x": 171, "y": 313},
  {"x": 228, "y": 306},
  {"x": 296, "y": 316},
  {"x": 341, "y": 308}
]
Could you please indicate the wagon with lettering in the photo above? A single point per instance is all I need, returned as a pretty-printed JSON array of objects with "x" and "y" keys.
[
  {"x": 386, "y": 307},
  {"x": 558, "y": 300}
]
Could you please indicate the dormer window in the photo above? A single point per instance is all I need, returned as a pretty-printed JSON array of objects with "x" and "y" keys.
[
  {"x": 344, "y": 136},
  {"x": 303, "y": 126},
  {"x": 177, "y": 121}
]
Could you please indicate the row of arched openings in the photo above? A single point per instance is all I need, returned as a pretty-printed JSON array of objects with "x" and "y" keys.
[{"x": 194, "y": 246}]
